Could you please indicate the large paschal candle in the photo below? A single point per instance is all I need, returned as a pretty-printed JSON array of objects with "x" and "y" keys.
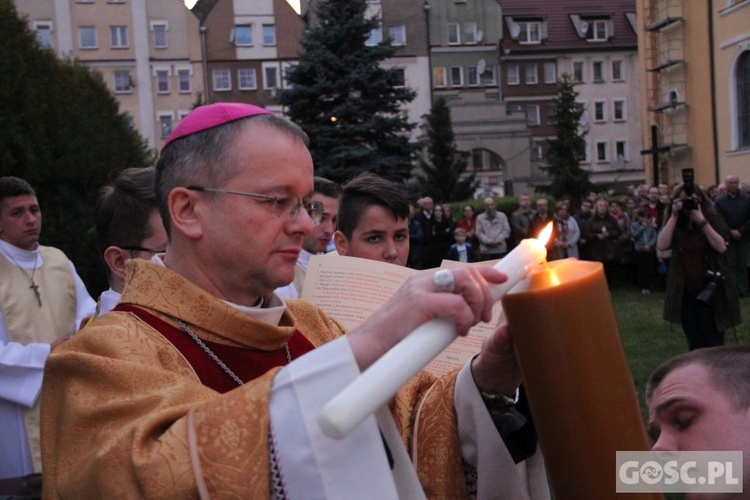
[
  {"x": 376, "y": 385},
  {"x": 576, "y": 376}
]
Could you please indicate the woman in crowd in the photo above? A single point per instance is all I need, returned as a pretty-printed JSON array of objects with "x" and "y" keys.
[
  {"x": 468, "y": 222},
  {"x": 699, "y": 295},
  {"x": 567, "y": 233},
  {"x": 602, "y": 234},
  {"x": 442, "y": 238}
]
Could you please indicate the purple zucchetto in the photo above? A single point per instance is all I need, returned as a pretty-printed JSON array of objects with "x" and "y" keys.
[{"x": 213, "y": 115}]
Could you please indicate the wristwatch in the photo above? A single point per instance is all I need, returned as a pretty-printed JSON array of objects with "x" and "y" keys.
[{"x": 497, "y": 403}]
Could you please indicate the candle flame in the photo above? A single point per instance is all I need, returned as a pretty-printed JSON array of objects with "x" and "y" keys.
[{"x": 544, "y": 235}]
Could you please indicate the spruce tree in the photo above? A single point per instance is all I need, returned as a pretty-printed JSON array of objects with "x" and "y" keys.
[
  {"x": 443, "y": 167},
  {"x": 345, "y": 101},
  {"x": 61, "y": 130},
  {"x": 565, "y": 151}
]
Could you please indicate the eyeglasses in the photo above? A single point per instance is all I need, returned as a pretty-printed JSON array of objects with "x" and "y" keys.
[
  {"x": 141, "y": 249},
  {"x": 280, "y": 204}
]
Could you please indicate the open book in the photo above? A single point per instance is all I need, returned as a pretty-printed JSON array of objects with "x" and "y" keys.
[{"x": 350, "y": 289}]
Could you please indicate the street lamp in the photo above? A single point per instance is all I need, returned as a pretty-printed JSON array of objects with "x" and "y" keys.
[{"x": 201, "y": 9}]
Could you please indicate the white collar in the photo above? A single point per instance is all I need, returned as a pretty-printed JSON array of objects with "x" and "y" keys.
[
  {"x": 268, "y": 311},
  {"x": 27, "y": 259}
]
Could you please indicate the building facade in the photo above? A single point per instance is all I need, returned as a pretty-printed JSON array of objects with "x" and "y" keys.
[
  {"x": 595, "y": 43},
  {"x": 695, "y": 58}
]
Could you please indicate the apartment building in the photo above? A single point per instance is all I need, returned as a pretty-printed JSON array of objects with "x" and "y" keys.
[
  {"x": 150, "y": 52},
  {"x": 463, "y": 42},
  {"x": 146, "y": 52},
  {"x": 695, "y": 61},
  {"x": 595, "y": 43}
]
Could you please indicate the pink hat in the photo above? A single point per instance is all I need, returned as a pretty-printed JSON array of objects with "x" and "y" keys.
[{"x": 213, "y": 115}]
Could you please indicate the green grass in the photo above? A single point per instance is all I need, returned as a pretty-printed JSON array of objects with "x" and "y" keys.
[{"x": 649, "y": 340}]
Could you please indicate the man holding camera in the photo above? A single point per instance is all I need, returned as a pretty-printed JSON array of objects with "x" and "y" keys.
[
  {"x": 734, "y": 206},
  {"x": 699, "y": 296}
]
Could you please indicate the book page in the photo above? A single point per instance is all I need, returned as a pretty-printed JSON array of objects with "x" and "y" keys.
[{"x": 350, "y": 289}]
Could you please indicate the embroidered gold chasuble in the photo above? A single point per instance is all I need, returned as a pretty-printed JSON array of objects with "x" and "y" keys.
[{"x": 125, "y": 415}]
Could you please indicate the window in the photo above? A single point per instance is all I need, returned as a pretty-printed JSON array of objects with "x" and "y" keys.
[
  {"x": 742, "y": 79},
  {"x": 162, "y": 81},
  {"x": 43, "y": 33},
  {"x": 600, "y": 111},
  {"x": 488, "y": 77},
  {"x": 118, "y": 37},
  {"x": 454, "y": 34},
  {"x": 578, "y": 75},
  {"x": 484, "y": 159},
  {"x": 618, "y": 110},
  {"x": 222, "y": 80},
  {"x": 514, "y": 108},
  {"x": 87, "y": 37},
  {"x": 165, "y": 125},
  {"x": 532, "y": 114},
  {"x": 123, "y": 82},
  {"x": 398, "y": 77},
  {"x": 183, "y": 77},
  {"x": 511, "y": 74},
  {"x": 470, "y": 33},
  {"x": 438, "y": 76},
  {"x": 457, "y": 76},
  {"x": 246, "y": 79},
  {"x": 397, "y": 35},
  {"x": 531, "y": 32},
  {"x": 376, "y": 36},
  {"x": 602, "y": 151},
  {"x": 598, "y": 67},
  {"x": 269, "y": 34},
  {"x": 472, "y": 76},
  {"x": 531, "y": 76},
  {"x": 271, "y": 77},
  {"x": 550, "y": 72},
  {"x": 160, "y": 35},
  {"x": 243, "y": 35},
  {"x": 621, "y": 153},
  {"x": 537, "y": 150},
  {"x": 598, "y": 30},
  {"x": 617, "y": 71},
  {"x": 583, "y": 153}
]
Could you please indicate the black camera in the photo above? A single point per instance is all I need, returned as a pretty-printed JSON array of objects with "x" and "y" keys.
[
  {"x": 688, "y": 181},
  {"x": 707, "y": 294},
  {"x": 690, "y": 203}
]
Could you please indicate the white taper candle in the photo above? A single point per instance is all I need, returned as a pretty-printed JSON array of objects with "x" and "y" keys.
[{"x": 376, "y": 385}]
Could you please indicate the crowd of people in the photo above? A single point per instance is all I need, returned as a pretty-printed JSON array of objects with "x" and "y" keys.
[
  {"x": 696, "y": 251},
  {"x": 201, "y": 373}
]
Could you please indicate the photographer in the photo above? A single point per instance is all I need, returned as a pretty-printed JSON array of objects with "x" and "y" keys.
[{"x": 699, "y": 296}]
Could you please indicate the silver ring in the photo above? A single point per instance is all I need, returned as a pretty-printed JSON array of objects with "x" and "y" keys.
[{"x": 444, "y": 281}]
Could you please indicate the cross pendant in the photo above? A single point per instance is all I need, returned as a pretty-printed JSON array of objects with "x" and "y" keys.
[{"x": 35, "y": 288}]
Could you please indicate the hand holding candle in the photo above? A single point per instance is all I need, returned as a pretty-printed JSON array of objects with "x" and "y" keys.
[{"x": 376, "y": 385}]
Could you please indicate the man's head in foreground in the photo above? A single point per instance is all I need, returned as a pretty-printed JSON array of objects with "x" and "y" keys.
[
  {"x": 234, "y": 185},
  {"x": 373, "y": 220},
  {"x": 700, "y": 401}
]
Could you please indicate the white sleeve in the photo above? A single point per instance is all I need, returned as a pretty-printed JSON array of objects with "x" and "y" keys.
[
  {"x": 482, "y": 447},
  {"x": 312, "y": 464},
  {"x": 85, "y": 305},
  {"x": 21, "y": 369}
]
